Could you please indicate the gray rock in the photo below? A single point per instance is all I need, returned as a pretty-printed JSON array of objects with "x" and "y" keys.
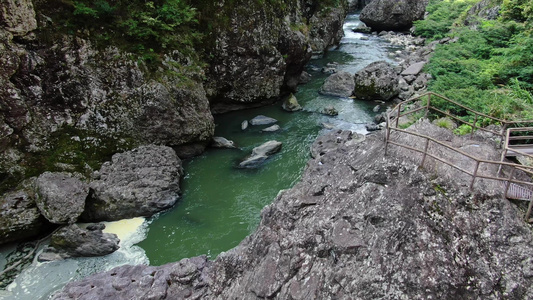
[
  {"x": 262, "y": 120},
  {"x": 244, "y": 125},
  {"x": 60, "y": 197},
  {"x": 260, "y": 154},
  {"x": 272, "y": 128},
  {"x": 362, "y": 29},
  {"x": 140, "y": 182},
  {"x": 378, "y": 80},
  {"x": 19, "y": 216},
  {"x": 221, "y": 142},
  {"x": 372, "y": 127},
  {"x": 340, "y": 84},
  {"x": 18, "y": 17},
  {"x": 73, "y": 241},
  {"x": 414, "y": 69},
  {"x": 330, "y": 111},
  {"x": 291, "y": 104},
  {"x": 305, "y": 77},
  {"x": 392, "y": 14}
]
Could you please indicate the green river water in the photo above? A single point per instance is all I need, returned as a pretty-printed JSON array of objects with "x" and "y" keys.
[{"x": 221, "y": 204}]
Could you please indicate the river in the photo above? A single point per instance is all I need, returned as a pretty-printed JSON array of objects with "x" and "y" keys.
[{"x": 221, "y": 204}]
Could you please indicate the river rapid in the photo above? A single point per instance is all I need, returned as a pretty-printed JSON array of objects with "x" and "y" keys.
[{"x": 221, "y": 204}]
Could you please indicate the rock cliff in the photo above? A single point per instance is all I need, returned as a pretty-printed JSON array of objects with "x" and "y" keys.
[
  {"x": 358, "y": 225},
  {"x": 70, "y": 101}
]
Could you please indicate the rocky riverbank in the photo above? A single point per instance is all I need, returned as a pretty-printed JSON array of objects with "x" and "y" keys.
[{"x": 358, "y": 224}]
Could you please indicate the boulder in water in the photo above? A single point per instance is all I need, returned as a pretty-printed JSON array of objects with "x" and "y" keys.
[
  {"x": 378, "y": 80},
  {"x": 73, "y": 241},
  {"x": 272, "y": 128},
  {"x": 262, "y": 120},
  {"x": 330, "y": 111},
  {"x": 244, "y": 125},
  {"x": 60, "y": 197},
  {"x": 340, "y": 84},
  {"x": 291, "y": 104},
  {"x": 221, "y": 142},
  {"x": 140, "y": 182},
  {"x": 260, "y": 154},
  {"x": 394, "y": 15}
]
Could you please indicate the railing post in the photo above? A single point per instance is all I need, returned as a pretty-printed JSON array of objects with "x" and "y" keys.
[
  {"x": 425, "y": 152},
  {"x": 530, "y": 206},
  {"x": 475, "y": 175},
  {"x": 508, "y": 184},
  {"x": 428, "y": 105},
  {"x": 398, "y": 116},
  {"x": 473, "y": 127}
]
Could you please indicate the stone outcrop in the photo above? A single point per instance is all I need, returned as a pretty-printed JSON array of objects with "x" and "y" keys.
[
  {"x": 340, "y": 84},
  {"x": 358, "y": 225},
  {"x": 483, "y": 10},
  {"x": 393, "y": 14},
  {"x": 19, "y": 216},
  {"x": 260, "y": 154},
  {"x": 60, "y": 197},
  {"x": 73, "y": 241},
  {"x": 378, "y": 80},
  {"x": 263, "y": 49},
  {"x": 140, "y": 182}
]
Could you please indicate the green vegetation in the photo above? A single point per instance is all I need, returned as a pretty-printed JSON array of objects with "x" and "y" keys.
[{"x": 490, "y": 66}]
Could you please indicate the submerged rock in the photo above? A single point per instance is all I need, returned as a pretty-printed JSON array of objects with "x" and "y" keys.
[
  {"x": 291, "y": 104},
  {"x": 60, "y": 197},
  {"x": 330, "y": 111},
  {"x": 244, "y": 125},
  {"x": 73, "y": 241},
  {"x": 340, "y": 84},
  {"x": 140, "y": 182},
  {"x": 378, "y": 80},
  {"x": 221, "y": 142},
  {"x": 262, "y": 120},
  {"x": 260, "y": 154}
]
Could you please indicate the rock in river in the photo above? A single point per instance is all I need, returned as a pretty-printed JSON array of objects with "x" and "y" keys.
[
  {"x": 378, "y": 80},
  {"x": 73, "y": 241},
  {"x": 291, "y": 104},
  {"x": 140, "y": 182},
  {"x": 221, "y": 142},
  {"x": 340, "y": 84},
  {"x": 60, "y": 197},
  {"x": 260, "y": 154},
  {"x": 262, "y": 120},
  {"x": 272, "y": 128}
]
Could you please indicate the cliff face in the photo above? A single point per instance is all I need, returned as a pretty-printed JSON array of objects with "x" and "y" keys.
[
  {"x": 100, "y": 99},
  {"x": 260, "y": 51},
  {"x": 358, "y": 225}
]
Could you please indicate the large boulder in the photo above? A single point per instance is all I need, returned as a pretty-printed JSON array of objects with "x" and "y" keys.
[
  {"x": 378, "y": 80},
  {"x": 140, "y": 182},
  {"x": 340, "y": 84},
  {"x": 394, "y": 15},
  {"x": 60, "y": 197},
  {"x": 291, "y": 104},
  {"x": 260, "y": 154},
  {"x": 73, "y": 241},
  {"x": 19, "y": 217}
]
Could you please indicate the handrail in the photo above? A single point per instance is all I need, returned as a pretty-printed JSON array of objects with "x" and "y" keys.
[{"x": 392, "y": 122}]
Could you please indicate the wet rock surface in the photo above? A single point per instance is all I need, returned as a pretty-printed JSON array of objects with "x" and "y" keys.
[
  {"x": 60, "y": 197},
  {"x": 139, "y": 182},
  {"x": 221, "y": 142},
  {"x": 73, "y": 241},
  {"x": 359, "y": 224},
  {"x": 262, "y": 120},
  {"x": 260, "y": 154}
]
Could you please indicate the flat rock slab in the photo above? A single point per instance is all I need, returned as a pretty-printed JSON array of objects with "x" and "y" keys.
[
  {"x": 340, "y": 84},
  {"x": 140, "y": 182},
  {"x": 60, "y": 197},
  {"x": 262, "y": 120},
  {"x": 414, "y": 69}
]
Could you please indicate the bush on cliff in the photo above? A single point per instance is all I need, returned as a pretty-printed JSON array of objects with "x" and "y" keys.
[{"x": 490, "y": 67}]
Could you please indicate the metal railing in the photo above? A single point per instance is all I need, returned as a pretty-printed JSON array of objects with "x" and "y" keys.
[{"x": 510, "y": 183}]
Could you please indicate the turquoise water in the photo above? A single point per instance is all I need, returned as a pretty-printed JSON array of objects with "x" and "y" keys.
[{"x": 221, "y": 203}]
